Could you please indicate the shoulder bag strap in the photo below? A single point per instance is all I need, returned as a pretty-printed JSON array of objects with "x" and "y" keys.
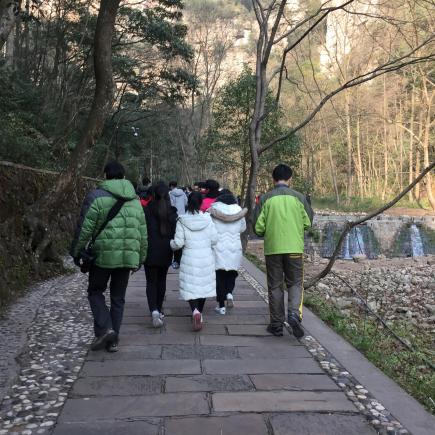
[{"x": 112, "y": 213}]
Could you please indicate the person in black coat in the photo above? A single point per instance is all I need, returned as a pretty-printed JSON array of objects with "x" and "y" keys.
[{"x": 161, "y": 220}]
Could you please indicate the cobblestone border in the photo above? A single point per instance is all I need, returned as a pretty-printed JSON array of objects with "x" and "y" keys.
[
  {"x": 379, "y": 417},
  {"x": 57, "y": 343}
]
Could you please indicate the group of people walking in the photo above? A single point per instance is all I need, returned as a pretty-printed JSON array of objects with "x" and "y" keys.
[{"x": 196, "y": 230}]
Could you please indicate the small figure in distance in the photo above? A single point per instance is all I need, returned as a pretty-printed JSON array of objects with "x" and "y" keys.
[{"x": 179, "y": 201}]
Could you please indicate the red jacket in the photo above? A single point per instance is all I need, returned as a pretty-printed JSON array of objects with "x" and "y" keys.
[
  {"x": 206, "y": 203},
  {"x": 145, "y": 201}
]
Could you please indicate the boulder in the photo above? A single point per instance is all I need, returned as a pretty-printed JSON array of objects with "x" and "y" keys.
[{"x": 359, "y": 258}]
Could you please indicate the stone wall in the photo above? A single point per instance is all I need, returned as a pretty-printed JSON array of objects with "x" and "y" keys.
[
  {"x": 21, "y": 187},
  {"x": 386, "y": 228}
]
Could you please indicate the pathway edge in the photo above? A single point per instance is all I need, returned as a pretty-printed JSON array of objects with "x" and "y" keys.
[{"x": 410, "y": 412}]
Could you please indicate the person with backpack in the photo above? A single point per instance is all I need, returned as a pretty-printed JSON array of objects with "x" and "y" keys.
[
  {"x": 196, "y": 234},
  {"x": 282, "y": 216},
  {"x": 161, "y": 220},
  {"x": 113, "y": 220},
  {"x": 229, "y": 219}
]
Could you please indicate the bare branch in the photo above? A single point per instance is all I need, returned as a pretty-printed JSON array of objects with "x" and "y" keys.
[{"x": 392, "y": 65}]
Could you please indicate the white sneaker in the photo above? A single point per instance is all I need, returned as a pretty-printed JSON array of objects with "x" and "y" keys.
[
  {"x": 230, "y": 300},
  {"x": 157, "y": 321},
  {"x": 221, "y": 311}
]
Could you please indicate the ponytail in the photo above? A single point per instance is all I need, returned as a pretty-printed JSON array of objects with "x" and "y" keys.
[
  {"x": 161, "y": 194},
  {"x": 194, "y": 202}
]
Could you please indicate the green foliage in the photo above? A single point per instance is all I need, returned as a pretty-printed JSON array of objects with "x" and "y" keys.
[
  {"x": 226, "y": 143},
  {"x": 408, "y": 369},
  {"x": 216, "y": 9},
  {"x": 357, "y": 204},
  {"x": 46, "y": 88}
]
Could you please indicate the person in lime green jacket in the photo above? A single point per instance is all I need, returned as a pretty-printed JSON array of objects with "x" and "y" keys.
[
  {"x": 282, "y": 216},
  {"x": 120, "y": 248}
]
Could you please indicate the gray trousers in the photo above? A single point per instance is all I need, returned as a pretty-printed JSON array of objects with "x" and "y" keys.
[
  {"x": 104, "y": 317},
  {"x": 285, "y": 269}
]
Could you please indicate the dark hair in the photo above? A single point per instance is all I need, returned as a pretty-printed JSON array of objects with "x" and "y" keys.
[
  {"x": 227, "y": 198},
  {"x": 163, "y": 204},
  {"x": 202, "y": 184},
  {"x": 213, "y": 188},
  {"x": 173, "y": 184},
  {"x": 146, "y": 181},
  {"x": 114, "y": 171},
  {"x": 194, "y": 202},
  {"x": 282, "y": 172}
]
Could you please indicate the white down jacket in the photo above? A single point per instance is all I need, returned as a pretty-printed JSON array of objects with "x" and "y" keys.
[
  {"x": 196, "y": 234},
  {"x": 230, "y": 223}
]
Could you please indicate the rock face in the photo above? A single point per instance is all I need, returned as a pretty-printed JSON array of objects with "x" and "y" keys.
[{"x": 21, "y": 187}]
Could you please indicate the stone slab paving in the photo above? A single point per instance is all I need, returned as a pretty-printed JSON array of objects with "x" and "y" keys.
[
  {"x": 315, "y": 424},
  {"x": 230, "y": 378}
]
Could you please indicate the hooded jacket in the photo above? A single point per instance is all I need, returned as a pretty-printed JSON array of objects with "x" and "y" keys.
[
  {"x": 230, "y": 222},
  {"x": 197, "y": 235},
  {"x": 178, "y": 200},
  {"x": 123, "y": 242}
]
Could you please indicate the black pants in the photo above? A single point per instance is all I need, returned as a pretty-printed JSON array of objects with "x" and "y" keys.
[
  {"x": 105, "y": 318},
  {"x": 177, "y": 255},
  {"x": 225, "y": 283},
  {"x": 156, "y": 286},
  {"x": 197, "y": 303}
]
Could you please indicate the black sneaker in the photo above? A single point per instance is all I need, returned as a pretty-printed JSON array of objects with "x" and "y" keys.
[
  {"x": 295, "y": 323},
  {"x": 100, "y": 342},
  {"x": 112, "y": 347},
  {"x": 276, "y": 331}
]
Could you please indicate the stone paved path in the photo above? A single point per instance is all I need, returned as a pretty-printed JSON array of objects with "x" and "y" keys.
[{"x": 231, "y": 378}]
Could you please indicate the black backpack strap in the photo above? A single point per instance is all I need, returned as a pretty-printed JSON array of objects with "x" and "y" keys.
[{"x": 112, "y": 213}]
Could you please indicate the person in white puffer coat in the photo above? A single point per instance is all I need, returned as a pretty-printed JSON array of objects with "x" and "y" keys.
[
  {"x": 229, "y": 219},
  {"x": 196, "y": 234}
]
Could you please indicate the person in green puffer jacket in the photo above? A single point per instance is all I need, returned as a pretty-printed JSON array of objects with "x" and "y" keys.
[{"x": 120, "y": 248}]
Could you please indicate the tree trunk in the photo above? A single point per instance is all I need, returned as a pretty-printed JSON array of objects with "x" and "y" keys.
[
  {"x": 384, "y": 188},
  {"x": 349, "y": 190},
  {"x": 8, "y": 17},
  {"x": 358, "y": 157},
  {"x": 46, "y": 209},
  {"x": 425, "y": 144},
  {"x": 103, "y": 97},
  {"x": 411, "y": 142}
]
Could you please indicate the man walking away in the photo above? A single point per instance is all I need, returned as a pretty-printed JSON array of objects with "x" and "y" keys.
[
  {"x": 282, "y": 215},
  {"x": 178, "y": 198},
  {"x": 179, "y": 201},
  {"x": 119, "y": 248}
]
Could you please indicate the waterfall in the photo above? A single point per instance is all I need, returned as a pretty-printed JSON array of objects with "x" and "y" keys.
[
  {"x": 360, "y": 248},
  {"x": 346, "y": 248},
  {"x": 416, "y": 241}
]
